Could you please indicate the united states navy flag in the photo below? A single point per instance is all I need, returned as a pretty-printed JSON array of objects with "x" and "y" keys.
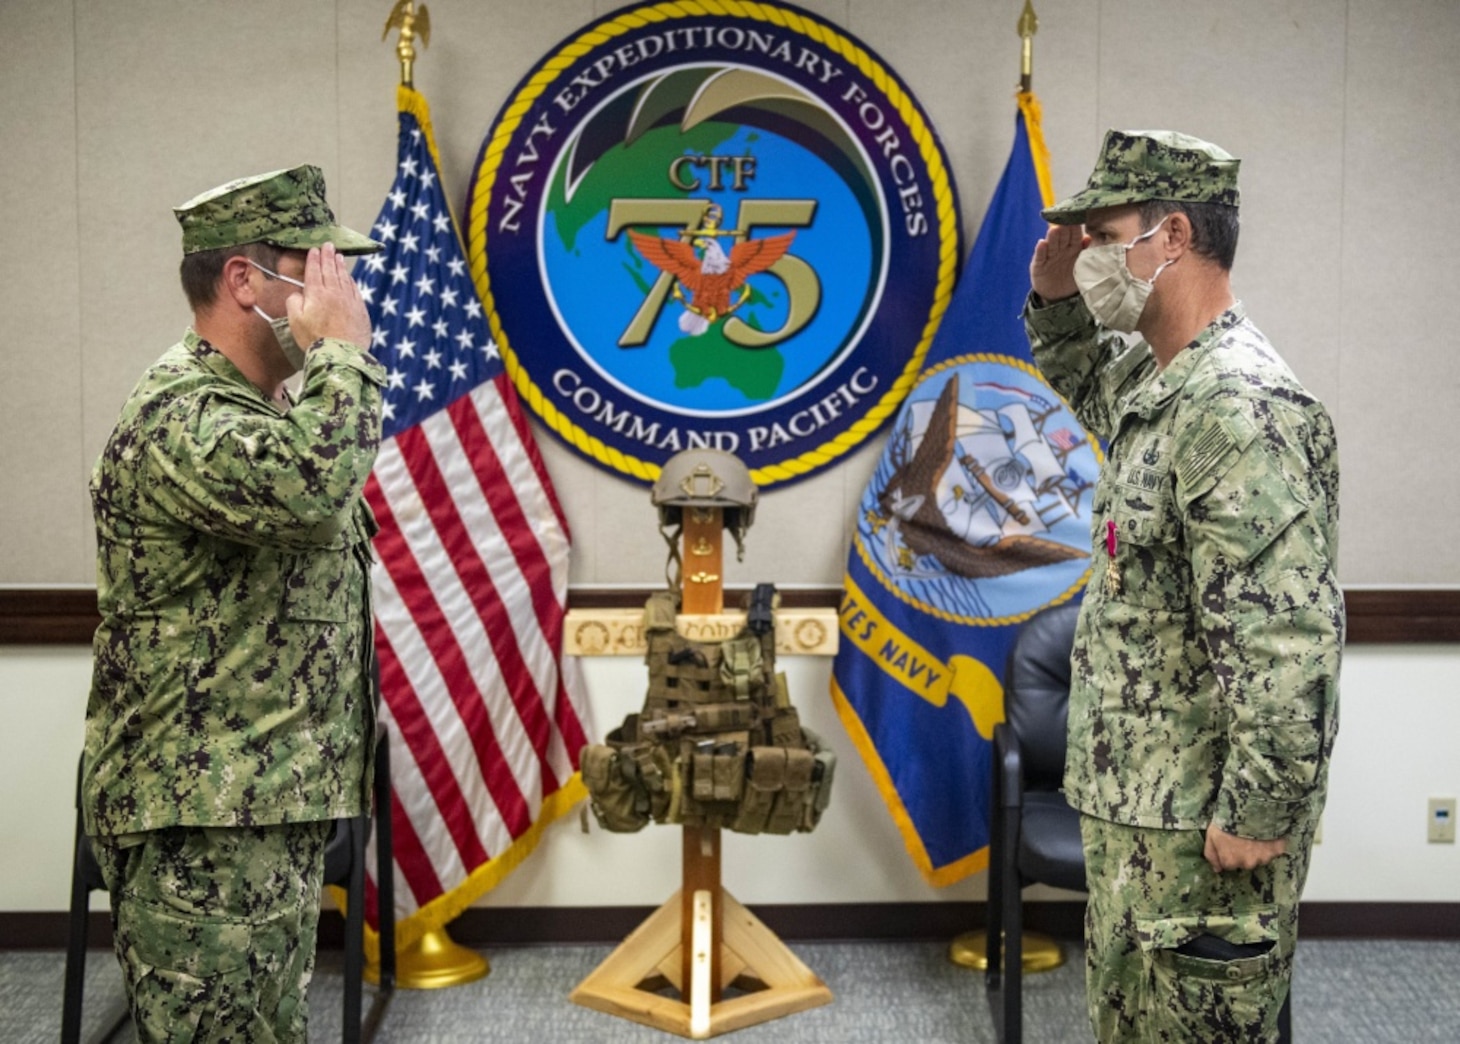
[
  {"x": 977, "y": 516},
  {"x": 486, "y": 717}
]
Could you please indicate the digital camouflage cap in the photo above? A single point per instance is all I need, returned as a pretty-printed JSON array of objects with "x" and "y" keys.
[
  {"x": 285, "y": 208},
  {"x": 1139, "y": 166}
]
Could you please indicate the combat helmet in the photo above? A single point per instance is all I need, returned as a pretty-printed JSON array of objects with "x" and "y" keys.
[{"x": 703, "y": 478}]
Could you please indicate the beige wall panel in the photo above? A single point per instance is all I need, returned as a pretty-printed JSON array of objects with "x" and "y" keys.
[
  {"x": 477, "y": 54},
  {"x": 44, "y": 517},
  {"x": 366, "y": 76},
  {"x": 1401, "y": 366},
  {"x": 1341, "y": 112},
  {"x": 800, "y": 534},
  {"x": 837, "y": 12},
  {"x": 172, "y": 99},
  {"x": 1264, "y": 81}
]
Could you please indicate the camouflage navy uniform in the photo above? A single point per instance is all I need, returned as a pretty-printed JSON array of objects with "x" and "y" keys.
[
  {"x": 1205, "y": 667},
  {"x": 231, "y": 708}
]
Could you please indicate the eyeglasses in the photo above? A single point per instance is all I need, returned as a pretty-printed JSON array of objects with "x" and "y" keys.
[{"x": 274, "y": 275}]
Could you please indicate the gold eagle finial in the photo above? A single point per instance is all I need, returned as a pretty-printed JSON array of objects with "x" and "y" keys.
[{"x": 413, "y": 23}]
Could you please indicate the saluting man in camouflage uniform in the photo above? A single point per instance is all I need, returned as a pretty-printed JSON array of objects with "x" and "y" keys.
[
  {"x": 231, "y": 710},
  {"x": 1205, "y": 696}
]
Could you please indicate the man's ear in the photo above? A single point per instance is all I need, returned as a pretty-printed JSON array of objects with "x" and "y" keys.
[
  {"x": 1176, "y": 234},
  {"x": 237, "y": 282}
]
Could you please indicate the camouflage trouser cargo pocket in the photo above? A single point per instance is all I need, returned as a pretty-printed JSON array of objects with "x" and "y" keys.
[
  {"x": 1175, "y": 951},
  {"x": 315, "y": 587},
  {"x": 1220, "y": 972},
  {"x": 182, "y": 967},
  {"x": 215, "y": 929}
]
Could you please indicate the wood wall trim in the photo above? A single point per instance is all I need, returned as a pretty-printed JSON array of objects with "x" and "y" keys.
[
  {"x": 483, "y": 927},
  {"x": 47, "y": 616},
  {"x": 67, "y": 615},
  {"x": 1426, "y": 615}
]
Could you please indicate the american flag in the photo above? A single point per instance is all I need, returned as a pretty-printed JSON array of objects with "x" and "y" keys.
[
  {"x": 1065, "y": 440},
  {"x": 486, "y": 718}
]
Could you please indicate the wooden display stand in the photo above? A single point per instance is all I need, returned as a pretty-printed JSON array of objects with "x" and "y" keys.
[{"x": 676, "y": 971}]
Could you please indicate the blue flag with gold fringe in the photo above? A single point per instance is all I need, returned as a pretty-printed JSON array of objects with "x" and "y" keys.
[{"x": 977, "y": 517}]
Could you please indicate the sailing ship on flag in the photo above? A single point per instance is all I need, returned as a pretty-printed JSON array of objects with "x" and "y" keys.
[{"x": 978, "y": 489}]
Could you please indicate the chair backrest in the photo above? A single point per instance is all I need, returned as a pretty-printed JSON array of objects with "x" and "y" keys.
[{"x": 1037, "y": 693}]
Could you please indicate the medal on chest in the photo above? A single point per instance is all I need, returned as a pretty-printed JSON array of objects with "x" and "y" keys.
[{"x": 1112, "y": 574}]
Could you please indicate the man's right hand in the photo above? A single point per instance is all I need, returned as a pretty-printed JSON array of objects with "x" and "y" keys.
[
  {"x": 1052, "y": 271},
  {"x": 330, "y": 305},
  {"x": 1226, "y": 851}
]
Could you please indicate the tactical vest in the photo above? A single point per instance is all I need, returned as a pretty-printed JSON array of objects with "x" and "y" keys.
[{"x": 717, "y": 743}]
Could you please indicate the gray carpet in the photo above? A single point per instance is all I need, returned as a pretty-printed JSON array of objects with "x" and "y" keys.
[{"x": 1345, "y": 991}]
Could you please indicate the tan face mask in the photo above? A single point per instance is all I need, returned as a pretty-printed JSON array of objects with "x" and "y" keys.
[
  {"x": 285, "y": 336},
  {"x": 1115, "y": 297}
]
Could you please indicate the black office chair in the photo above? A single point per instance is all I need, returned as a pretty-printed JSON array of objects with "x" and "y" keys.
[
  {"x": 1035, "y": 836},
  {"x": 344, "y": 865}
]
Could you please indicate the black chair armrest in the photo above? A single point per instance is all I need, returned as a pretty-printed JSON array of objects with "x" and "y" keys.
[{"x": 1008, "y": 768}]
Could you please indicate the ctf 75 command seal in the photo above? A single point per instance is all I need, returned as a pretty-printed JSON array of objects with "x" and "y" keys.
[{"x": 713, "y": 224}]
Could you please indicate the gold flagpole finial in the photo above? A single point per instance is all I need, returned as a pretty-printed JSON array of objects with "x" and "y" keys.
[
  {"x": 1028, "y": 26},
  {"x": 412, "y": 24}
]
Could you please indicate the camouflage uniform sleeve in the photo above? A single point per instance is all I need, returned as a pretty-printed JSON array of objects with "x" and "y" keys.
[
  {"x": 1258, "y": 482},
  {"x": 1091, "y": 368},
  {"x": 233, "y": 467}
]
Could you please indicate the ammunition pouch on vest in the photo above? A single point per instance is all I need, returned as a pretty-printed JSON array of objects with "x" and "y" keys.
[{"x": 717, "y": 743}]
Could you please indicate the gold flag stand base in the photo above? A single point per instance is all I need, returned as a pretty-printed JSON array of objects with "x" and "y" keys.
[
  {"x": 1041, "y": 953},
  {"x": 433, "y": 962}
]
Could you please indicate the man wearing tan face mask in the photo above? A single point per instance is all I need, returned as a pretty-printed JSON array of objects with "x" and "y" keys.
[
  {"x": 1204, "y": 699},
  {"x": 231, "y": 712}
]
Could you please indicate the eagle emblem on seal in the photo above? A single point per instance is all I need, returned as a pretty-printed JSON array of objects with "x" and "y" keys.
[{"x": 715, "y": 281}]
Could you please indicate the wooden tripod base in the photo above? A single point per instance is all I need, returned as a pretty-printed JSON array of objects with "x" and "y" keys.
[{"x": 634, "y": 982}]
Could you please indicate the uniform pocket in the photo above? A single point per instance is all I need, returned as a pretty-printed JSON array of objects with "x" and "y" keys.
[
  {"x": 1145, "y": 517},
  {"x": 174, "y": 942},
  {"x": 1220, "y": 972},
  {"x": 205, "y": 979},
  {"x": 1302, "y": 738},
  {"x": 315, "y": 586},
  {"x": 1151, "y": 565}
]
